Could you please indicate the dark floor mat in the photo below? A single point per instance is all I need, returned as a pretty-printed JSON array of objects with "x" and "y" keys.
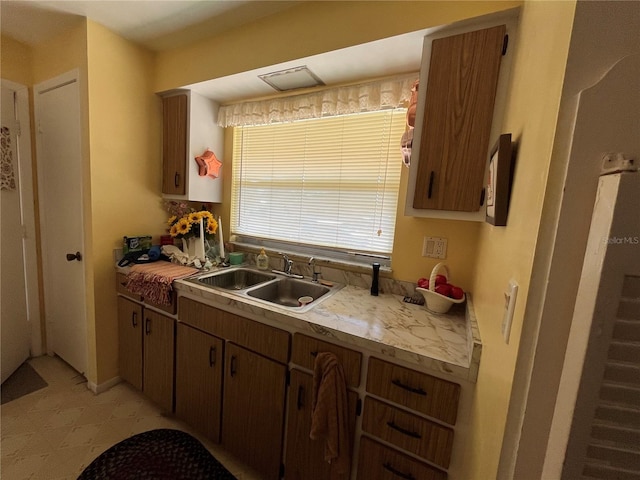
[
  {"x": 23, "y": 381},
  {"x": 162, "y": 454}
]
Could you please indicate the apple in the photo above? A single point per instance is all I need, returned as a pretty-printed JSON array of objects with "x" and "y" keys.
[
  {"x": 440, "y": 280},
  {"x": 456, "y": 292},
  {"x": 444, "y": 289},
  {"x": 423, "y": 282}
]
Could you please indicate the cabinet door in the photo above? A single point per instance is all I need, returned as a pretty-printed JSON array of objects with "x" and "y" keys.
[
  {"x": 253, "y": 406},
  {"x": 304, "y": 458},
  {"x": 174, "y": 144},
  {"x": 199, "y": 380},
  {"x": 454, "y": 138},
  {"x": 130, "y": 323},
  {"x": 159, "y": 335}
]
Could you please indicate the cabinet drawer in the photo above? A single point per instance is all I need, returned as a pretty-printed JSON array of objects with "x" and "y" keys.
[
  {"x": 121, "y": 287},
  {"x": 306, "y": 348},
  {"x": 414, "y": 434},
  {"x": 415, "y": 390},
  {"x": 255, "y": 336},
  {"x": 383, "y": 463}
]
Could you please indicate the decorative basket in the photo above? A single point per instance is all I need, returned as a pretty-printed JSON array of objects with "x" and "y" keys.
[{"x": 435, "y": 302}]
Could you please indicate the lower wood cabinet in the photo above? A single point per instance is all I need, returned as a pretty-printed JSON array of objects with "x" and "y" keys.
[
  {"x": 199, "y": 365},
  {"x": 304, "y": 458},
  {"x": 146, "y": 351},
  {"x": 130, "y": 328},
  {"x": 378, "y": 462},
  {"x": 159, "y": 338},
  {"x": 253, "y": 406}
]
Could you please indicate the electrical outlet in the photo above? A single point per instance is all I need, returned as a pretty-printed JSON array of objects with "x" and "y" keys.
[
  {"x": 434, "y": 247},
  {"x": 509, "y": 306}
]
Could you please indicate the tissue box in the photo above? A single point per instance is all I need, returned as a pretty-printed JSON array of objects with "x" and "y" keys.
[{"x": 136, "y": 244}]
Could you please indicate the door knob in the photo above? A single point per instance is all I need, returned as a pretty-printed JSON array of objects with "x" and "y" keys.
[{"x": 74, "y": 256}]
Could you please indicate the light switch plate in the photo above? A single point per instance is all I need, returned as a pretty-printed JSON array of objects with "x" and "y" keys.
[
  {"x": 509, "y": 306},
  {"x": 434, "y": 247}
]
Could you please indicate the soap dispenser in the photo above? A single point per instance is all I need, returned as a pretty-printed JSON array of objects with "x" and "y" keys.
[{"x": 262, "y": 260}]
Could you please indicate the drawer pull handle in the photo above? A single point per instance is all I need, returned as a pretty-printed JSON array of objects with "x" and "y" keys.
[
  {"x": 212, "y": 356},
  {"x": 314, "y": 354},
  {"x": 176, "y": 180},
  {"x": 134, "y": 319},
  {"x": 431, "y": 177},
  {"x": 147, "y": 326},
  {"x": 408, "y": 433},
  {"x": 300, "y": 400},
  {"x": 417, "y": 391},
  {"x": 400, "y": 474},
  {"x": 232, "y": 365}
]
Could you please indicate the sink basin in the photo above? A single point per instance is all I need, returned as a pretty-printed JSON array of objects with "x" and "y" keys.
[
  {"x": 266, "y": 287},
  {"x": 286, "y": 292},
  {"x": 235, "y": 279}
]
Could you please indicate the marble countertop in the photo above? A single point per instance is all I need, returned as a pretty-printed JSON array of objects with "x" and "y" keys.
[{"x": 446, "y": 343}]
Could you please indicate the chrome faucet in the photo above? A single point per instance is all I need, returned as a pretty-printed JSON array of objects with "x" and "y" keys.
[
  {"x": 288, "y": 264},
  {"x": 314, "y": 275}
]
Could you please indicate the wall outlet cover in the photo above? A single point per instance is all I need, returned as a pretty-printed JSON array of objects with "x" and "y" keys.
[{"x": 434, "y": 247}]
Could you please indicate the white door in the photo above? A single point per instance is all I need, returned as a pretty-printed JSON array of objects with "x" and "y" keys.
[
  {"x": 59, "y": 153},
  {"x": 15, "y": 331}
]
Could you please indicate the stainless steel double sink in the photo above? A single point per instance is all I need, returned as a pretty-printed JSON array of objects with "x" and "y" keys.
[{"x": 267, "y": 287}]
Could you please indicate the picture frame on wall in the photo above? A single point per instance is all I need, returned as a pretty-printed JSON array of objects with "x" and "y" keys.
[{"x": 501, "y": 161}]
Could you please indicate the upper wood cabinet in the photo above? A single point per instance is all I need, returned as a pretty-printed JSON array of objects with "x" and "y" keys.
[
  {"x": 188, "y": 129},
  {"x": 459, "y": 82}
]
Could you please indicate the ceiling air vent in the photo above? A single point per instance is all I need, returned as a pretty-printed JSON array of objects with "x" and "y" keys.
[{"x": 292, "y": 78}]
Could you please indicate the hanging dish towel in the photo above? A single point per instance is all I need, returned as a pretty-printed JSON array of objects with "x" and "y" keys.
[
  {"x": 329, "y": 412},
  {"x": 153, "y": 280}
]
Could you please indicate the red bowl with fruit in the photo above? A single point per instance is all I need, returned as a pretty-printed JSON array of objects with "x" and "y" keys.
[{"x": 439, "y": 294}]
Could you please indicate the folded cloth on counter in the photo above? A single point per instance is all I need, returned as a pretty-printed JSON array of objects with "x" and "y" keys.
[
  {"x": 153, "y": 280},
  {"x": 329, "y": 412}
]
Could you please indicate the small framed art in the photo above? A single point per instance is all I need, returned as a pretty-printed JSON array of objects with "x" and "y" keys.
[{"x": 499, "y": 183}]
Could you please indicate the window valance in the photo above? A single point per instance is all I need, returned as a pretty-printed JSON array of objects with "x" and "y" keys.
[{"x": 381, "y": 94}]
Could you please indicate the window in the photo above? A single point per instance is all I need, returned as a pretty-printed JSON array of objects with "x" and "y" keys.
[{"x": 329, "y": 182}]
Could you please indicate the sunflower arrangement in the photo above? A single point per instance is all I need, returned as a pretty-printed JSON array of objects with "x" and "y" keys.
[{"x": 188, "y": 225}]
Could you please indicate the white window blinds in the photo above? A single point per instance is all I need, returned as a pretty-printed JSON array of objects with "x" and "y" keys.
[{"x": 330, "y": 182}]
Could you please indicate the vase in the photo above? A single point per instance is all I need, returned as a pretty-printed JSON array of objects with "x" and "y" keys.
[{"x": 193, "y": 247}]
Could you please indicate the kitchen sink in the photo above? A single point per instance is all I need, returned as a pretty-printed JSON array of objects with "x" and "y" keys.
[
  {"x": 234, "y": 279},
  {"x": 287, "y": 291},
  {"x": 268, "y": 288}
]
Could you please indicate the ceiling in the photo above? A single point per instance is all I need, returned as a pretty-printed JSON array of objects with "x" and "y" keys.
[{"x": 158, "y": 25}]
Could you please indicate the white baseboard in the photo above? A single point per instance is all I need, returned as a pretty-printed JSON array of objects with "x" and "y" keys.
[{"x": 103, "y": 387}]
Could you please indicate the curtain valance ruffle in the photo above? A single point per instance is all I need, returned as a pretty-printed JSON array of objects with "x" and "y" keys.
[{"x": 366, "y": 97}]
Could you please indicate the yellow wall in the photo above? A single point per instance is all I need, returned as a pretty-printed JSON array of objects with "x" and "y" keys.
[
  {"x": 507, "y": 252},
  {"x": 126, "y": 152},
  {"x": 309, "y": 29},
  {"x": 15, "y": 61}
]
